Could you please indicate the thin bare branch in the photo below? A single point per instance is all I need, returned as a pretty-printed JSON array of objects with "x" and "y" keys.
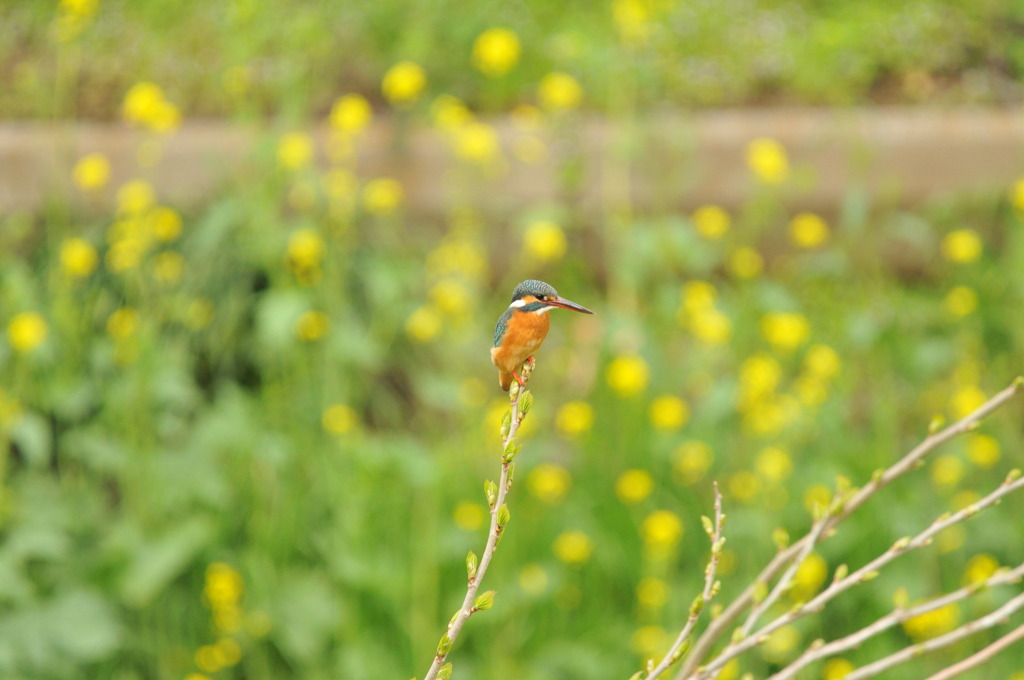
[
  {"x": 991, "y": 619},
  {"x": 499, "y": 516},
  {"x": 980, "y": 657},
  {"x": 880, "y": 480},
  {"x": 817, "y": 652},
  {"x": 710, "y": 590},
  {"x": 866, "y": 573}
]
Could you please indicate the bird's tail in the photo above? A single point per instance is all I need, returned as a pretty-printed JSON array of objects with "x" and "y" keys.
[{"x": 505, "y": 380}]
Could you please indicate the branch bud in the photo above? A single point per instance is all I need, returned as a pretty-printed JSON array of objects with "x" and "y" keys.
[
  {"x": 868, "y": 576},
  {"x": 842, "y": 571},
  {"x": 760, "y": 592},
  {"x": 681, "y": 652},
  {"x": 511, "y": 474},
  {"x": 444, "y": 646},
  {"x": 709, "y": 527},
  {"x": 513, "y": 391},
  {"x": 936, "y": 423},
  {"x": 525, "y": 403},
  {"x": 780, "y": 537},
  {"x": 639, "y": 675},
  {"x": 715, "y": 587},
  {"x": 1018, "y": 382},
  {"x": 901, "y": 544},
  {"x": 471, "y": 565},
  {"x": 1012, "y": 476},
  {"x": 697, "y": 606},
  {"x": 484, "y": 602},
  {"x": 503, "y": 515},
  {"x": 506, "y": 423},
  {"x": 491, "y": 489},
  {"x": 445, "y": 672}
]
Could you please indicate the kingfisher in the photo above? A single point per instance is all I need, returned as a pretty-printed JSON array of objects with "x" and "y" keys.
[{"x": 523, "y": 327}]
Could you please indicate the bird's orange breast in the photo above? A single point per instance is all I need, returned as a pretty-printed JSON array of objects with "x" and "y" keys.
[{"x": 526, "y": 331}]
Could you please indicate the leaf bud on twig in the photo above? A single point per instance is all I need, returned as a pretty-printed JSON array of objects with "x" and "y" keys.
[
  {"x": 484, "y": 602},
  {"x": 471, "y": 565},
  {"x": 525, "y": 403},
  {"x": 444, "y": 646},
  {"x": 491, "y": 490},
  {"x": 780, "y": 537},
  {"x": 445, "y": 672},
  {"x": 503, "y": 515}
]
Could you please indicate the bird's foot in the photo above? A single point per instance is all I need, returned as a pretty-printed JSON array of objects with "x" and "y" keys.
[
  {"x": 522, "y": 383},
  {"x": 530, "y": 359}
]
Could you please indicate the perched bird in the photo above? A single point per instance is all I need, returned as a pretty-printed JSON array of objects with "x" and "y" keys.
[{"x": 523, "y": 327}]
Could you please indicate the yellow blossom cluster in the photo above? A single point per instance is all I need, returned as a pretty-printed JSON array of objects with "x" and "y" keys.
[
  {"x": 662, "y": 530},
  {"x": 496, "y": 51},
  {"x": 74, "y": 16},
  {"x": 573, "y": 547},
  {"x": 339, "y": 419},
  {"x": 767, "y": 159},
  {"x": 549, "y": 483},
  {"x": 699, "y": 314},
  {"x": 544, "y": 241},
  {"x": 145, "y": 105},
  {"x": 627, "y": 375},
  {"x": 27, "y": 331},
  {"x": 692, "y": 460},
  {"x": 574, "y": 418},
  {"x": 142, "y": 226},
  {"x": 455, "y": 270},
  {"x": 304, "y": 255},
  {"x": 711, "y": 221},
  {"x": 403, "y": 83},
  {"x": 633, "y": 486}
]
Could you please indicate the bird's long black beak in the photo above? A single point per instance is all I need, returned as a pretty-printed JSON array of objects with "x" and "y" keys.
[{"x": 568, "y": 304}]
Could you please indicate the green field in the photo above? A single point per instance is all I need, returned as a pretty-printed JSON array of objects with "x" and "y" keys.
[{"x": 249, "y": 438}]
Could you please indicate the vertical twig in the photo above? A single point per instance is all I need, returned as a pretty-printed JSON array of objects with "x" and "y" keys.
[
  {"x": 521, "y": 400},
  {"x": 711, "y": 586}
]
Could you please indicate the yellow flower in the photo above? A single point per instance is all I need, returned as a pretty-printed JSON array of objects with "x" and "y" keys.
[
  {"x": 809, "y": 578},
  {"x": 559, "y": 92},
  {"x": 545, "y": 241},
  {"x": 692, "y": 460},
  {"x": 746, "y": 263},
  {"x": 123, "y": 323},
  {"x": 135, "y": 198},
  {"x": 305, "y": 252},
  {"x": 774, "y": 464},
  {"x": 669, "y": 413},
  {"x": 550, "y": 483},
  {"x": 780, "y": 645},
  {"x": 744, "y": 486},
  {"x": 759, "y": 375},
  {"x": 574, "y": 418},
  {"x": 966, "y": 399},
  {"x": 144, "y": 104},
  {"x": 934, "y": 623},
  {"x": 947, "y": 470},
  {"x": 339, "y": 419},
  {"x": 533, "y": 579},
  {"x": 810, "y": 390},
  {"x": 962, "y": 246},
  {"x": 495, "y": 51},
  {"x": 423, "y": 325},
  {"x": 469, "y": 516},
  {"x": 652, "y": 593},
  {"x": 698, "y": 296},
  {"x": 822, "y": 361},
  {"x": 26, "y": 331},
  {"x": 350, "y": 114},
  {"x": 224, "y": 586},
  {"x": 627, "y": 375},
  {"x": 817, "y": 497},
  {"x": 92, "y": 172},
  {"x": 836, "y": 669},
  {"x": 951, "y": 539},
  {"x": 382, "y": 196},
  {"x": 633, "y": 486},
  {"x": 767, "y": 159},
  {"x": 632, "y": 19},
  {"x": 573, "y": 547},
  {"x": 961, "y": 301},
  {"x": 983, "y": 450},
  {"x": 1017, "y": 194},
  {"x": 197, "y": 676},
  {"x": 980, "y": 568},
  {"x": 711, "y": 221},
  {"x": 78, "y": 258},
  {"x": 807, "y": 230},
  {"x": 312, "y": 325},
  {"x": 661, "y": 530},
  {"x": 166, "y": 224},
  {"x": 477, "y": 142},
  {"x": 711, "y": 327},
  {"x": 403, "y": 83},
  {"x": 294, "y": 150},
  {"x": 168, "y": 267},
  {"x": 651, "y": 641},
  {"x": 449, "y": 113},
  {"x": 785, "y": 330}
]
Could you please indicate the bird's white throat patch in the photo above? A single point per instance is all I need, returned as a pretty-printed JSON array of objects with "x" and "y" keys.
[{"x": 542, "y": 310}]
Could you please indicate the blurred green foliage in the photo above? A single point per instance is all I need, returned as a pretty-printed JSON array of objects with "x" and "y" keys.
[
  {"x": 248, "y": 439},
  {"x": 293, "y": 57}
]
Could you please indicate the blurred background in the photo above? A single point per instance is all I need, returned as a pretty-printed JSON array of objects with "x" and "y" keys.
[{"x": 251, "y": 258}]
